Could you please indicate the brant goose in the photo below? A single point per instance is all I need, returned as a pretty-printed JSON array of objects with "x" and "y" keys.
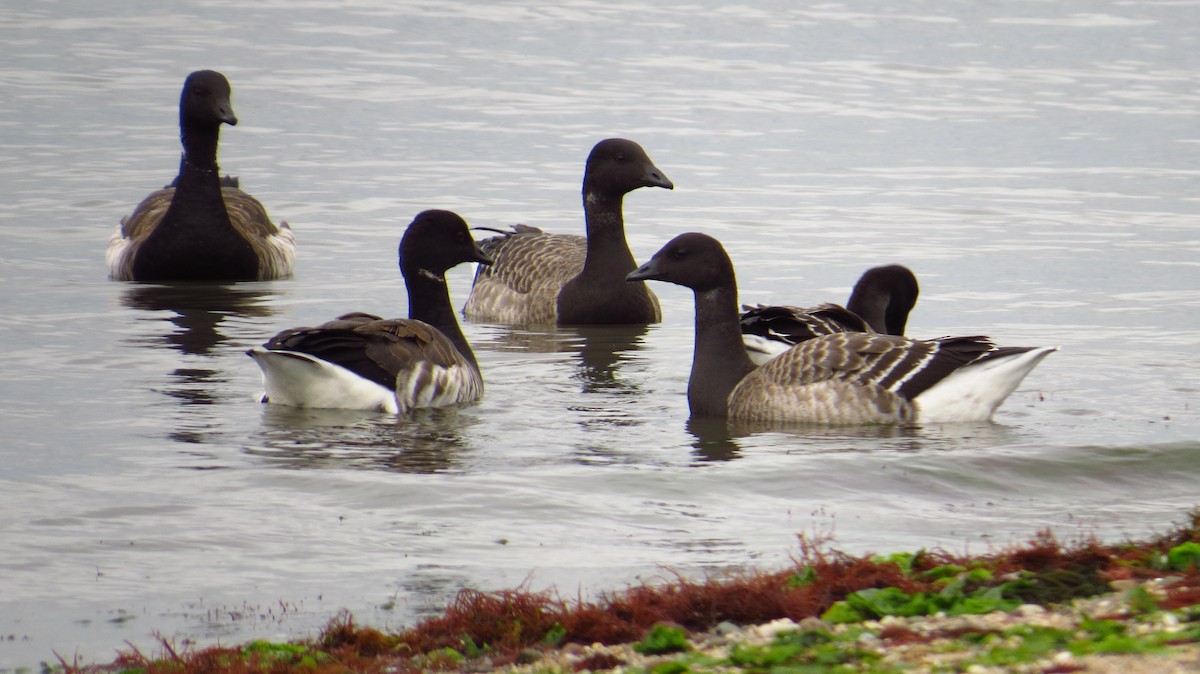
[
  {"x": 201, "y": 227},
  {"x": 541, "y": 278},
  {"x": 843, "y": 378},
  {"x": 880, "y": 302},
  {"x": 361, "y": 361}
]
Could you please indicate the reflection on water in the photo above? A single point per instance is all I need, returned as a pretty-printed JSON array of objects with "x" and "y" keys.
[
  {"x": 713, "y": 440},
  {"x": 717, "y": 439},
  {"x": 195, "y": 386},
  {"x": 423, "y": 441},
  {"x": 197, "y": 311},
  {"x": 603, "y": 350},
  {"x": 194, "y": 319}
]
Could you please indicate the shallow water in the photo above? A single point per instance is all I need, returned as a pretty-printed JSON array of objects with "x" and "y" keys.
[{"x": 1034, "y": 163}]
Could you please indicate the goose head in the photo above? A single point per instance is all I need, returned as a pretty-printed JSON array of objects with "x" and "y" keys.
[
  {"x": 437, "y": 240},
  {"x": 692, "y": 260},
  {"x": 617, "y": 166},
  {"x": 205, "y": 101}
]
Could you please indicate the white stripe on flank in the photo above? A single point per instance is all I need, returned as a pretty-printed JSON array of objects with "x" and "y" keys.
[{"x": 973, "y": 393}]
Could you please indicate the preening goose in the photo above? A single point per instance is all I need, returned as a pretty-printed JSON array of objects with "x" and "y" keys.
[
  {"x": 201, "y": 227},
  {"x": 880, "y": 302},
  {"x": 361, "y": 361},
  {"x": 541, "y": 278},
  {"x": 844, "y": 378}
]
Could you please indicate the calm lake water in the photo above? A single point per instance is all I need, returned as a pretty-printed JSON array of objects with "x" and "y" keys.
[{"x": 1034, "y": 162}]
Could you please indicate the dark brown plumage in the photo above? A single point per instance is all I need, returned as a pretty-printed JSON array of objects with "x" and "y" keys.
[
  {"x": 881, "y": 301},
  {"x": 201, "y": 226}
]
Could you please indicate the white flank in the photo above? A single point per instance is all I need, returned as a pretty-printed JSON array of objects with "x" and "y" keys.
[
  {"x": 115, "y": 254},
  {"x": 974, "y": 392},
  {"x": 279, "y": 256},
  {"x": 762, "y": 349},
  {"x": 299, "y": 380}
]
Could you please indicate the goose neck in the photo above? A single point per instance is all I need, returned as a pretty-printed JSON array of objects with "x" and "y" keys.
[
  {"x": 429, "y": 302},
  {"x": 720, "y": 360},
  {"x": 200, "y": 145},
  {"x": 607, "y": 248}
]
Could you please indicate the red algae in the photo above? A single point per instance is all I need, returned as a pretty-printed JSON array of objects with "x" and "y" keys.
[{"x": 492, "y": 628}]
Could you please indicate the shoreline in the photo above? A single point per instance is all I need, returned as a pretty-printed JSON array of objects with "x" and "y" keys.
[{"x": 1042, "y": 606}]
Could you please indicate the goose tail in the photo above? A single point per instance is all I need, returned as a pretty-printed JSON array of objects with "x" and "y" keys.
[
  {"x": 973, "y": 392},
  {"x": 300, "y": 380}
]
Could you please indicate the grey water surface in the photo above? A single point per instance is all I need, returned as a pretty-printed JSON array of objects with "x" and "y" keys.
[{"x": 1034, "y": 162}]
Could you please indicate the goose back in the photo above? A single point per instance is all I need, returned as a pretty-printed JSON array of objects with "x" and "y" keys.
[
  {"x": 522, "y": 286},
  {"x": 769, "y": 330},
  {"x": 201, "y": 227},
  {"x": 541, "y": 278},
  {"x": 362, "y": 361}
]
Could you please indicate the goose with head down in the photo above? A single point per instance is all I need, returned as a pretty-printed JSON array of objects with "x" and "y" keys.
[
  {"x": 881, "y": 301},
  {"x": 566, "y": 279},
  {"x": 361, "y": 361},
  {"x": 844, "y": 378},
  {"x": 201, "y": 227}
]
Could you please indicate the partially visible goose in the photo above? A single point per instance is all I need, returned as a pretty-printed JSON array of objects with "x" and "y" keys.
[
  {"x": 844, "y": 378},
  {"x": 541, "y": 278},
  {"x": 880, "y": 302},
  {"x": 201, "y": 227},
  {"x": 361, "y": 361}
]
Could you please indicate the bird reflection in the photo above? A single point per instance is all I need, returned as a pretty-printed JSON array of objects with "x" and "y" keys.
[
  {"x": 198, "y": 308},
  {"x": 721, "y": 440},
  {"x": 601, "y": 350},
  {"x": 426, "y": 440},
  {"x": 713, "y": 441},
  {"x": 187, "y": 317},
  {"x": 718, "y": 439}
]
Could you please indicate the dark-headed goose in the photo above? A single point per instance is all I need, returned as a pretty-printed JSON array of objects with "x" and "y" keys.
[
  {"x": 541, "y": 278},
  {"x": 201, "y": 227},
  {"x": 880, "y": 302},
  {"x": 360, "y": 361},
  {"x": 845, "y": 378}
]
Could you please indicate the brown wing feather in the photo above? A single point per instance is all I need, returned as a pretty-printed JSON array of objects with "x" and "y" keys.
[
  {"x": 398, "y": 342},
  {"x": 371, "y": 347},
  {"x": 275, "y": 247},
  {"x": 832, "y": 379},
  {"x": 792, "y": 325},
  {"x": 851, "y": 377},
  {"x": 523, "y": 283},
  {"x": 145, "y": 217}
]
